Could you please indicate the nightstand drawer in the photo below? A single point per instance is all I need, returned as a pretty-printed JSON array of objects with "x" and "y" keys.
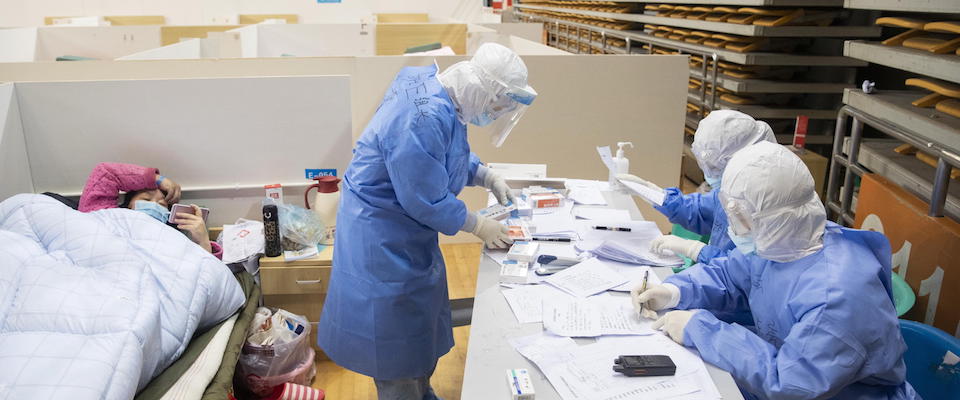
[{"x": 294, "y": 280}]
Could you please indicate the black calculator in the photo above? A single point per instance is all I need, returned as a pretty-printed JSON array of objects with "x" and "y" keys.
[{"x": 644, "y": 365}]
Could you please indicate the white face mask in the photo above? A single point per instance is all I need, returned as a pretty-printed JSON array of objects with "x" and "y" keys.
[
  {"x": 158, "y": 212},
  {"x": 713, "y": 182},
  {"x": 745, "y": 244}
]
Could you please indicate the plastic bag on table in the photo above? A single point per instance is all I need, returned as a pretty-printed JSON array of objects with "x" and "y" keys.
[
  {"x": 277, "y": 351},
  {"x": 300, "y": 225}
]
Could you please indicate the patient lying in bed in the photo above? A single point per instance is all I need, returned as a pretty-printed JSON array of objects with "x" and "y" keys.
[
  {"x": 93, "y": 305},
  {"x": 146, "y": 191}
]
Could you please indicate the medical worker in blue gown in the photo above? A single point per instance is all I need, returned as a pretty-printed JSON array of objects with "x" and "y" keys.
[
  {"x": 387, "y": 312},
  {"x": 820, "y": 294},
  {"x": 718, "y": 137}
]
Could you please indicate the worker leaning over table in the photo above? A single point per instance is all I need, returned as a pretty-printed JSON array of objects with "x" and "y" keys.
[
  {"x": 387, "y": 312},
  {"x": 718, "y": 137},
  {"x": 820, "y": 294}
]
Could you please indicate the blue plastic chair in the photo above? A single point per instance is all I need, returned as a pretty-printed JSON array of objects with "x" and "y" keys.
[{"x": 926, "y": 372}]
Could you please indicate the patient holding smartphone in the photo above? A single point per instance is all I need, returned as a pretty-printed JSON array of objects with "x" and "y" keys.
[{"x": 147, "y": 191}]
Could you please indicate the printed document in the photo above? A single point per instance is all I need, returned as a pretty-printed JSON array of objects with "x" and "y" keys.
[
  {"x": 595, "y": 316},
  {"x": 527, "y": 301},
  {"x": 652, "y": 195},
  {"x": 586, "y": 278}
]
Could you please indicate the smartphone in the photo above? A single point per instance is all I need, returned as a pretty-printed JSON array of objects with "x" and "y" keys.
[{"x": 186, "y": 208}]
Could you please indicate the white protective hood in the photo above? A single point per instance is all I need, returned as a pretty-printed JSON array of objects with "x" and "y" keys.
[{"x": 768, "y": 194}]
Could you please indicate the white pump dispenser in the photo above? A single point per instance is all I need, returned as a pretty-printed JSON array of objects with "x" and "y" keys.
[{"x": 621, "y": 165}]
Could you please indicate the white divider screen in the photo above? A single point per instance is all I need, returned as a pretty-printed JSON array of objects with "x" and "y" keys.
[
  {"x": 18, "y": 44},
  {"x": 585, "y": 101},
  {"x": 210, "y": 135},
  {"x": 14, "y": 166},
  {"x": 186, "y": 50},
  {"x": 316, "y": 40},
  {"x": 99, "y": 42}
]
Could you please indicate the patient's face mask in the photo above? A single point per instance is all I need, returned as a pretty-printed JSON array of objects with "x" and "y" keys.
[{"x": 158, "y": 212}]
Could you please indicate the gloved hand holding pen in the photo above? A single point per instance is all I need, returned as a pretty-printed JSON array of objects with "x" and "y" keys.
[{"x": 654, "y": 298}]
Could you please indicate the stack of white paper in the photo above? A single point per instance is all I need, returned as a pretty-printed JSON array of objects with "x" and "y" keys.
[
  {"x": 586, "y": 192},
  {"x": 634, "y": 251},
  {"x": 586, "y": 279},
  {"x": 585, "y": 372},
  {"x": 652, "y": 195},
  {"x": 556, "y": 225},
  {"x": 527, "y": 301},
  {"x": 624, "y": 246},
  {"x": 594, "y": 316}
]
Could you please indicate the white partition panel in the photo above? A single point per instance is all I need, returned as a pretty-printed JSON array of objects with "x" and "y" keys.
[
  {"x": 215, "y": 137},
  {"x": 99, "y": 42},
  {"x": 249, "y": 37},
  {"x": 18, "y": 44},
  {"x": 585, "y": 101},
  {"x": 186, "y": 50},
  {"x": 315, "y": 40},
  {"x": 526, "y": 30},
  {"x": 520, "y": 45},
  {"x": 221, "y": 45},
  {"x": 14, "y": 166}
]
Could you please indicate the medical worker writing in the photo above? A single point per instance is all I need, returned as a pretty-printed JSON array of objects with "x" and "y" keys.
[
  {"x": 387, "y": 312},
  {"x": 820, "y": 294},
  {"x": 718, "y": 136}
]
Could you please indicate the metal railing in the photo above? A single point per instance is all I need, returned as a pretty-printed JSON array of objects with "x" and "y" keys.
[{"x": 841, "y": 208}]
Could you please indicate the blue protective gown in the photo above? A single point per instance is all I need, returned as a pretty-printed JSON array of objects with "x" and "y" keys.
[
  {"x": 701, "y": 214},
  {"x": 387, "y": 312},
  {"x": 826, "y": 324}
]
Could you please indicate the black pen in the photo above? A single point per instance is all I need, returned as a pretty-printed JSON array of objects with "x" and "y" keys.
[
  {"x": 612, "y": 228},
  {"x": 543, "y": 239}
]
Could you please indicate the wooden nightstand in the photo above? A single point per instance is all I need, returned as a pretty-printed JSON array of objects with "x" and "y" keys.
[{"x": 298, "y": 286}]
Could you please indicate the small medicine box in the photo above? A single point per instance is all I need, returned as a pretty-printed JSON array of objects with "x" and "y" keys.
[
  {"x": 497, "y": 211},
  {"x": 523, "y": 251},
  {"x": 545, "y": 200},
  {"x": 521, "y": 386},
  {"x": 512, "y": 271}
]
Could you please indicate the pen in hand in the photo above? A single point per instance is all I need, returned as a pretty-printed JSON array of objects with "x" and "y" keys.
[{"x": 643, "y": 288}]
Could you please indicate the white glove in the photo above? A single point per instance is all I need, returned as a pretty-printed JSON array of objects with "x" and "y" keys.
[
  {"x": 678, "y": 245},
  {"x": 637, "y": 179},
  {"x": 673, "y": 323},
  {"x": 498, "y": 186},
  {"x": 656, "y": 297},
  {"x": 493, "y": 233}
]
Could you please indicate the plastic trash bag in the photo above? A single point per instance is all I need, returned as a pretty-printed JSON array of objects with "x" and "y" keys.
[
  {"x": 300, "y": 225},
  {"x": 277, "y": 350}
]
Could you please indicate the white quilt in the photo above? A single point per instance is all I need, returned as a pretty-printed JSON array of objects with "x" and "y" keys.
[{"x": 94, "y": 305}]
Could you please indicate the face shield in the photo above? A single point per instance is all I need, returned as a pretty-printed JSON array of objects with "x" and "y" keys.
[{"x": 505, "y": 110}]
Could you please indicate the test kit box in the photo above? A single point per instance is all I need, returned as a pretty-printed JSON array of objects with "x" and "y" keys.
[
  {"x": 545, "y": 200},
  {"x": 523, "y": 251},
  {"x": 518, "y": 230},
  {"x": 497, "y": 211},
  {"x": 512, "y": 271},
  {"x": 521, "y": 386}
]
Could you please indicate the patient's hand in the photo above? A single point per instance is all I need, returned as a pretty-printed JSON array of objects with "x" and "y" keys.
[
  {"x": 194, "y": 227},
  {"x": 170, "y": 190}
]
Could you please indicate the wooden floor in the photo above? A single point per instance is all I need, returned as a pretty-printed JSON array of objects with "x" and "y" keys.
[{"x": 462, "y": 261}]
